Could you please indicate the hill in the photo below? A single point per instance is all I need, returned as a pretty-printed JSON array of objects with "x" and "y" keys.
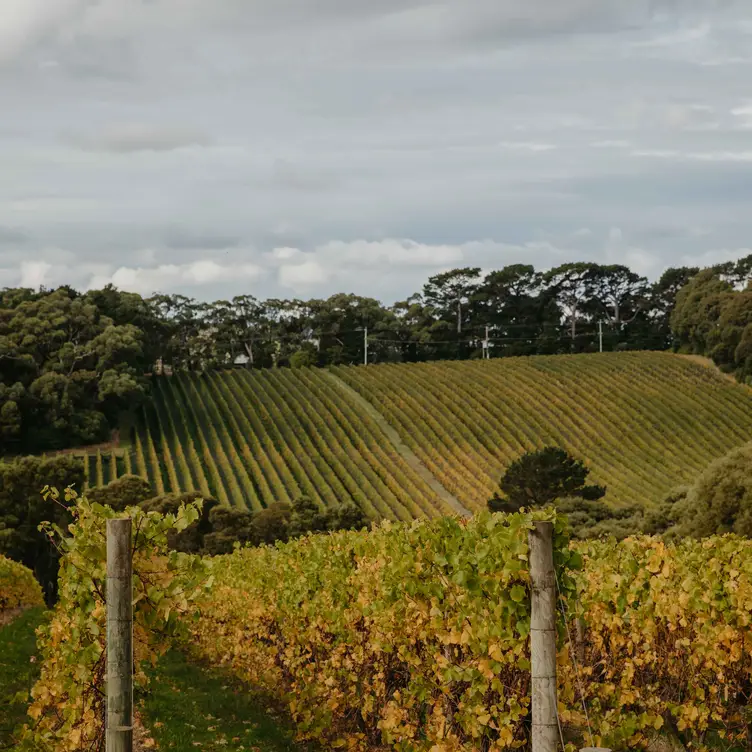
[{"x": 644, "y": 423}]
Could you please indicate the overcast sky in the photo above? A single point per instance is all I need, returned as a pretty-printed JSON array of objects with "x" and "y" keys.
[{"x": 305, "y": 147}]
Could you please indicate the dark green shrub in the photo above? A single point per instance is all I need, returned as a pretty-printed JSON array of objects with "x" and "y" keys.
[
  {"x": 127, "y": 490},
  {"x": 539, "y": 478}
]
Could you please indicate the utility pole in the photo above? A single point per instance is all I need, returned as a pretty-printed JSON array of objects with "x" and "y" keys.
[
  {"x": 365, "y": 346},
  {"x": 486, "y": 353},
  {"x": 600, "y": 334},
  {"x": 459, "y": 315}
]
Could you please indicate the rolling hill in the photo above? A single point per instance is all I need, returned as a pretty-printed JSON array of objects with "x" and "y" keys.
[{"x": 385, "y": 434}]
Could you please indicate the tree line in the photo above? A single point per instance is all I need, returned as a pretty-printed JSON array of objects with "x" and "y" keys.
[{"x": 72, "y": 363}]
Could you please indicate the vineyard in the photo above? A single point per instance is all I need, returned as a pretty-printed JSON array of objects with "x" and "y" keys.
[
  {"x": 416, "y": 636},
  {"x": 250, "y": 438},
  {"x": 644, "y": 423}
]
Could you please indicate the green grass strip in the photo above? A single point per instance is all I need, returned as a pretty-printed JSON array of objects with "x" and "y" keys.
[
  {"x": 190, "y": 707},
  {"x": 18, "y": 673}
]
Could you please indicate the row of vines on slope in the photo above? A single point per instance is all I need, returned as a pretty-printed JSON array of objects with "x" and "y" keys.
[
  {"x": 249, "y": 439},
  {"x": 646, "y": 422}
]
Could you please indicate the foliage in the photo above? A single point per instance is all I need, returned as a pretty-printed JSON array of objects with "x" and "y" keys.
[
  {"x": 665, "y": 643},
  {"x": 219, "y": 529},
  {"x": 18, "y": 669},
  {"x": 307, "y": 517},
  {"x": 414, "y": 636},
  {"x": 67, "y": 707},
  {"x": 127, "y": 490},
  {"x": 191, "y": 538},
  {"x": 22, "y": 510},
  {"x": 18, "y": 587},
  {"x": 593, "y": 519},
  {"x": 271, "y": 524},
  {"x": 539, "y": 478},
  {"x": 66, "y": 370},
  {"x": 305, "y": 357},
  {"x": 713, "y": 317},
  {"x": 720, "y": 500}
]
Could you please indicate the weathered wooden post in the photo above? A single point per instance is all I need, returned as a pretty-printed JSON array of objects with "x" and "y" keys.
[
  {"x": 543, "y": 638},
  {"x": 119, "y": 736}
]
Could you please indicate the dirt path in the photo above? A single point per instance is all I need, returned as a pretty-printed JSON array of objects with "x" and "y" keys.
[{"x": 402, "y": 449}]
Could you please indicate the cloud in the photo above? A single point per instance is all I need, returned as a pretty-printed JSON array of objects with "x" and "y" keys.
[
  {"x": 34, "y": 273},
  {"x": 342, "y": 264},
  {"x": 11, "y": 236},
  {"x": 174, "y": 277},
  {"x": 744, "y": 115},
  {"x": 714, "y": 156},
  {"x": 355, "y": 145},
  {"x": 304, "y": 277},
  {"x": 25, "y": 23},
  {"x": 134, "y": 137}
]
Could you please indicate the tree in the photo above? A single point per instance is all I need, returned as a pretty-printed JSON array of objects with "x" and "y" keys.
[
  {"x": 720, "y": 500},
  {"x": 620, "y": 294},
  {"x": 572, "y": 284},
  {"x": 126, "y": 491},
  {"x": 307, "y": 517},
  {"x": 241, "y": 330},
  {"x": 67, "y": 371},
  {"x": 339, "y": 324},
  {"x": 347, "y": 516},
  {"x": 593, "y": 519},
  {"x": 271, "y": 524},
  {"x": 228, "y": 527},
  {"x": 22, "y": 509},
  {"x": 539, "y": 478},
  {"x": 698, "y": 308},
  {"x": 130, "y": 308},
  {"x": 519, "y": 310},
  {"x": 305, "y": 357},
  {"x": 728, "y": 344},
  {"x": 448, "y": 297},
  {"x": 663, "y": 296}
]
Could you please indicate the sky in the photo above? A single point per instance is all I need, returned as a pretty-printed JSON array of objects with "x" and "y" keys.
[{"x": 298, "y": 148}]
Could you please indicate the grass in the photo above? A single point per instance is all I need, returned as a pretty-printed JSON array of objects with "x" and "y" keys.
[
  {"x": 191, "y": 707},
  {"x": 17, "y": 672}
]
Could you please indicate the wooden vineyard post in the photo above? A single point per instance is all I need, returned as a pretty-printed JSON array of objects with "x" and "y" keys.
[
  {"x": 543, "y": 638},
  {"x": 119, "y": 737}
]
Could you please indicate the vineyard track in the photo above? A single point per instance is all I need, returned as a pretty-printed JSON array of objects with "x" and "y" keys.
[{"x": 404, "y": 451}]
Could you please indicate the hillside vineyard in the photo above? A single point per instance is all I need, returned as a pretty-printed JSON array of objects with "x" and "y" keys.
[{"x": 644, "y": 423}]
